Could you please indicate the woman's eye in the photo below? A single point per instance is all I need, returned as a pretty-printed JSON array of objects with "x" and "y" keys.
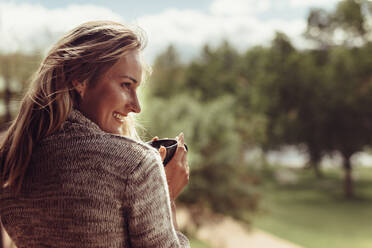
[{"x": 126, "y": 85}]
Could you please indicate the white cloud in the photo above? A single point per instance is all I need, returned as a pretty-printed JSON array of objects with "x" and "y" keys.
[
  {"x": 313, "y": 3},
  {"x": 239, "y": 7},
  {"x": 189, "y": 30},
  {"x": 25, "y": 26}
]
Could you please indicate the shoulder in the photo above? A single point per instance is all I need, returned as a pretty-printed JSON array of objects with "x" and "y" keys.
[
  {"x": 79, "y": 141},
  {"x": 131, "y": 147}
]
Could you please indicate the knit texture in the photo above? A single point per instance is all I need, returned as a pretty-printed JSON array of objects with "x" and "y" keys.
[{"x": 87, "y": 188}]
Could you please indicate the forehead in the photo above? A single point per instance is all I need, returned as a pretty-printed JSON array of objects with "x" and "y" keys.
[{"x": 128, "y": 65}]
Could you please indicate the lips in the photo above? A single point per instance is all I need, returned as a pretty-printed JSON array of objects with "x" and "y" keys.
[{"x": 119, "y": 117}]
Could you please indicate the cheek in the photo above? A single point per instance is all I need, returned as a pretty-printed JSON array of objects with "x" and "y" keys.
[
  {"x": 113, "y": 98},
  {"x": 116, "y": 101},
  {"x": 124, "y": 98},
  {"x": 104, "y": 104}
]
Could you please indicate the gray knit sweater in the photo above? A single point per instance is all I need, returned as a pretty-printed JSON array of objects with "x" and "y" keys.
[{"x": 86, "y": 188}]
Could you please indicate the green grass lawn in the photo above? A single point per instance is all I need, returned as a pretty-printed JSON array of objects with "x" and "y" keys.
[{"x": 313, "y": 212}]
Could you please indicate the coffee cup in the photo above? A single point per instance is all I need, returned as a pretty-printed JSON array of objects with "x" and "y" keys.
[{"x": 170, "y": 146}]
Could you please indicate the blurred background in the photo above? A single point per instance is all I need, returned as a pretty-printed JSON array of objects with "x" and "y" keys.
[{"x": 274, "y": 98}]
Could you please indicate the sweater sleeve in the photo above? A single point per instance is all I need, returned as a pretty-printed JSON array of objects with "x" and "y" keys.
[{"x": 149, "y": 211}]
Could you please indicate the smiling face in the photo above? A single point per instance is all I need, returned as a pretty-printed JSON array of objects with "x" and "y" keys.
[{"x": 114, "y": 95}]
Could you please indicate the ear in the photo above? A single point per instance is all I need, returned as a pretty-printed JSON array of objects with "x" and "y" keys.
[{"x": 79, "y": 87}]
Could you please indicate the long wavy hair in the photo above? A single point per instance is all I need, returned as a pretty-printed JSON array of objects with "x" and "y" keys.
[{"x": 83, "y": 54}]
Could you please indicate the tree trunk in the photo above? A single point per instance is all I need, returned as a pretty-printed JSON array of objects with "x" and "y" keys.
[
  {"x": 348, "y": 181},
  {"x": 315, "y": 165},
  {"x": 317, "y": 171},
  {"x": 315, "y": 158}
]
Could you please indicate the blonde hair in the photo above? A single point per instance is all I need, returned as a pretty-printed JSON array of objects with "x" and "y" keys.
[{"x": 83, "y": 54}]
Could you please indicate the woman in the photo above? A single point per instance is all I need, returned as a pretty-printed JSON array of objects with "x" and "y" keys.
[{"x": 72, "y": 172}]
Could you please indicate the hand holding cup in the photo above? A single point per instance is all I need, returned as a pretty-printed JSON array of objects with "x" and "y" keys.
[
  {"x": 177, "y": 169},
  {"x": 169, "y": 144}
]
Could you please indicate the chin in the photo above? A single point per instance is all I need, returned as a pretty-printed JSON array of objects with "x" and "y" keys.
[
  {"x": 118, "y": 130},
  {"x": 112, "y": 130}
]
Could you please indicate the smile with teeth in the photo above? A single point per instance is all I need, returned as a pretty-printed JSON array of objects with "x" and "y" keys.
[{"x": 119, "y": 117}]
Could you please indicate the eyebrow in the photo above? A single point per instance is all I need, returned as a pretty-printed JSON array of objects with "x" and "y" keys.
[{"x": 126, "y": 76}]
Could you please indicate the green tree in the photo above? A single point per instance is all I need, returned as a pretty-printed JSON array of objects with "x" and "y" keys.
[
  {"x": 289, "y": 92},
  {"x": 15, "y": 72},
  {"x": 349, "y": 115},
  {"x": 204, "y": 107},
  {"x": 214, "y": 73},
  {"x": 348, "y": 25},
  {"x": 316, "y": 98},
  {"x": 168, "y": 74},
  {"x": 346, "y": 75}
]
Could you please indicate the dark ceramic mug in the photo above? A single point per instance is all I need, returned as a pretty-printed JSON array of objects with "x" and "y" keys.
[{"x": 170, "y": 146}]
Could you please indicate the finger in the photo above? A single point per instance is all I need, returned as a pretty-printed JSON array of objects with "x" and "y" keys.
[
  {"x": 181, "y": 139},
  {"x": 180, "y": 156},
  {"x": 184, "y": 159},
  {"x": 162, "y": 152},
  {"x": 180, "y": 151},
  {"x": 155, "y": 138}
]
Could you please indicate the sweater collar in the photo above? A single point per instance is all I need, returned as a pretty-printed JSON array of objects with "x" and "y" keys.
[{"x": 76, "y": 116}]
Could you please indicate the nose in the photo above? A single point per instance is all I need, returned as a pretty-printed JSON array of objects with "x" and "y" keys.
[{"x": 135, "y": 105}]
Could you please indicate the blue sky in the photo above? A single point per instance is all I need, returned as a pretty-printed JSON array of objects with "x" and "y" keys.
[
  {"x": 30, "y": 24},
  {"x": 133, "y": 9},
  {"x": 128, "y": 9}
]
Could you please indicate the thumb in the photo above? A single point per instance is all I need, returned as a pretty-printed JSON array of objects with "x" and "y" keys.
[{"x": 162, "y": 152}]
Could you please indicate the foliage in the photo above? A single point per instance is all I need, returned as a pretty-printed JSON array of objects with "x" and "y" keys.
[
  {"x": 15, "y": 71},
  {"x": 169, "y": 74},
  {"x": 206, "y": 114},
  {"x": 319, "y": 98},
  {"x": 348, "y": 25},
  {"x": 227, "y": 102}
]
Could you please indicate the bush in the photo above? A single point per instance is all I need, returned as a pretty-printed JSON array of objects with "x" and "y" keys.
[{"x": 218, "y": 177}]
